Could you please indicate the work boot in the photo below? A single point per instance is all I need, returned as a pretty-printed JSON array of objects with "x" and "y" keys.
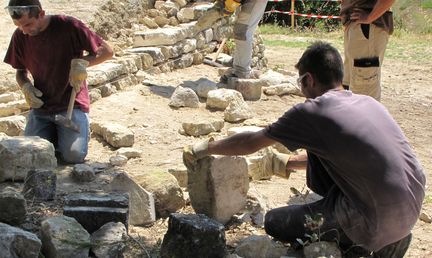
[
  {"x": 395, "y": 250},
  {"x": 225, "y": 78}
]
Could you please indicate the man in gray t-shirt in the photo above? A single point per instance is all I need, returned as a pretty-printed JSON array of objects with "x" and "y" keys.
[{"x": 358, "y": 160}]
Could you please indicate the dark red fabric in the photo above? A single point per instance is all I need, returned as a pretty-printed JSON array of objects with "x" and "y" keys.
[{"x": 47, "y": 57}]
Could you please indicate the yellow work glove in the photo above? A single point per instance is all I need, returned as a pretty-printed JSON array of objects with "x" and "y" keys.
[
  {"x": 192, "y": 153},
  {"x": 280, "y": 161},
  {"x": 229, "y": 6},
  {"x": 32, "y": 95},
  {"x": 78, "y": 73}
]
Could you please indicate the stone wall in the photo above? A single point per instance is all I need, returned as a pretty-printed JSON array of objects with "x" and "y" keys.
[{"x": 149, "y": 37}]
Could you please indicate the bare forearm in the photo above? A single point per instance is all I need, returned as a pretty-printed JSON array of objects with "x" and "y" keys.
[
  {"x": 103, "y": 53},
  {"x": 240, "y": 144},
  {"x": 297, "y": 162},
  {"x": 379, "y": 9},
  {"x": 21, "y": 77}
]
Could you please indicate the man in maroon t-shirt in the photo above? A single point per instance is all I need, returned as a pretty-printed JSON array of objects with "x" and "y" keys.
[
  {"x": 51, "y": 48},
  {"x": 358, "y": 160}
]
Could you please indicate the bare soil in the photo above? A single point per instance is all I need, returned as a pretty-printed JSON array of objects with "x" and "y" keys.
[{"x": 407, "y": 93}]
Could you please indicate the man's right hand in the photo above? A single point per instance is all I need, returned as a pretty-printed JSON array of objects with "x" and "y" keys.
[
  {"x": 32, "y": 95},
  {"x": 192, "y": 153}
]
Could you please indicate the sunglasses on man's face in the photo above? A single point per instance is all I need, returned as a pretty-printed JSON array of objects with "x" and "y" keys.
[{"x": 18, "y": 11}]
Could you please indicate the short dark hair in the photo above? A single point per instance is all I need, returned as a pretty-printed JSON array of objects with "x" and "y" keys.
[
  {"x": 34, "y": 12},
  {"x": 324, "y": 62}
]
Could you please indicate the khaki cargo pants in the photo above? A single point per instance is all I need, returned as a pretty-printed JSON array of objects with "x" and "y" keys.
[{"x": 364, "y": 56}]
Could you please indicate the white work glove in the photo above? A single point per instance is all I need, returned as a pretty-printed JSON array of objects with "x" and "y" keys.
[
  {"x": 78, "y": 73},
  {"x": 192, "y": 153},
  {"x": 279, "y": 165},
  {"x": 32, "y": 95}
]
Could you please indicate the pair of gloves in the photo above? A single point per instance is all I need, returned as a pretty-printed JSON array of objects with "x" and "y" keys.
[
  {"x": 275, "y": 162},
  {"x": 77, "y": 75}
]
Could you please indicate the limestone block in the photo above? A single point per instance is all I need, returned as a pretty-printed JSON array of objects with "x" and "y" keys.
[
  {"x": 184, "y": 97},
  {"x": 237, "y": 110},
  {"x": 185, "y": 14},
  {"x": 18, "y": 155},
  {"x": 64, "y": 237},
  {"x": 271, "y": 77},
  {"x": 118, "y": 160},
  {"x": 116, "y": 135},
  {"x": 204, "y": 86},
  {"x": 161, "y": 36},
  {"x": 218, "y": 186},
  {"x": 12, "y": 125},
  {"x": 198, "y": 128},
  {"x": 221, "y": 98},
  {"x": 83, "y": 173},
  {"x": 249, "y": 88},
  {"x": 109, "y": 241},
  {"x": 260, "y": 246},
  {"x": 161, "y": 21},
  {"x": 154, "y": 52},
  {"x": 149, "y": 23},
  {"x": 200, "y": 41},
  {"x": 208, "y": 35},
  {"x": 166, "y": 5},
  {"x": 180, "y": 174},
  {"x": 124, "y": 83},
  {"x": 13, "y": 108},
  {"x": 167, "y": 193},
  {"x": 40, "y": 185},
  {"x": 181, "y": 3},
  {"x": 189, "y": 45},
  {"x": 141, "y": 202},
  {"x": 106, "y": 71},
  {"x": 15, "y": 242},
  {"x": 93, "y": 211},
  {"x": 283, "y": 89},
  {"x": 13, "y": 207},
  {"x": 322, "y": 249},
  {"x": 198, "y": 58},
  {"x": 193, "y": 235},
  {"x": 147, "y": 61},
  {"x": 132, "y": 63},
  {"x": 173, "y": 21},
  {"x": 183, "y": 62},
  {"x": 95, "y": 95},
  {"x": 107, "y": 90},
  {"x": 129, "y": 153},
  {"x": 10, "y": 96}
]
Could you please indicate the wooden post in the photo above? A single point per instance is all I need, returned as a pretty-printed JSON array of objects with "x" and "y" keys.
[{"x": 292, "y": 14}]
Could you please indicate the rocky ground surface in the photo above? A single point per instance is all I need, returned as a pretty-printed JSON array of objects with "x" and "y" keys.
[{"x": 144, "y": 109}]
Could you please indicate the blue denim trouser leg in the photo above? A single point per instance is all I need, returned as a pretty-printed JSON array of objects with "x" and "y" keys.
[{"x": 72, "y": 146}]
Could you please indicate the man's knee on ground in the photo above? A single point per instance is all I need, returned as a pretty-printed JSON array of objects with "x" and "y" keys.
[
  {"x": 73, "y": 156},
  {"x": 240, "y": 31}
]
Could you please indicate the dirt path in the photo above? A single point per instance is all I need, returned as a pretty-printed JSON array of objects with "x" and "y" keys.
[{"x": 407, "y": 93}]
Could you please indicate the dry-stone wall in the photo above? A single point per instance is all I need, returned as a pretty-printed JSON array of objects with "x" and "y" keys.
[{"x": 149, "y": 37}]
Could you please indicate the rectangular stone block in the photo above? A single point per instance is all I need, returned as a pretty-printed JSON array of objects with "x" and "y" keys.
[
  {"x": 218, "y": 186},
  {"x": 92, "y": 211}
]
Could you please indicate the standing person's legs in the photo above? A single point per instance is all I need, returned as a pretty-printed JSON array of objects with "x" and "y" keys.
[
  {"x": 73, "y": 146},
  {"x": 246, "y": 24},
  {"x": 364, "y": 54}
]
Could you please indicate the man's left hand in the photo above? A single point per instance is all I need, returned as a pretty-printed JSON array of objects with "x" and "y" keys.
[
  {"x": 192, "y": 153},
  {"x": 78, "y": 73},
  {"x": 360, "y": 16}
]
